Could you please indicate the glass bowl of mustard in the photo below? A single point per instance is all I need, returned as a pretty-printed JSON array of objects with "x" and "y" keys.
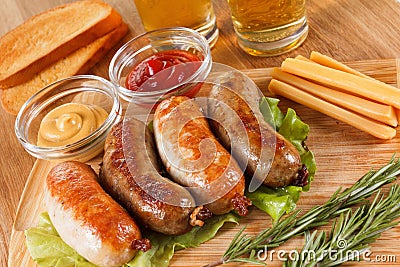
[
  {"x": 161, "y": 63},
  {"x": 69, "y": 119}
]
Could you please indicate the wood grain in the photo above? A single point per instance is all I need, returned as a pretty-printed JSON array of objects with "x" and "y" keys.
[
  {"x": 340, "y": 157},
  {"x": 348, "y": 30}
]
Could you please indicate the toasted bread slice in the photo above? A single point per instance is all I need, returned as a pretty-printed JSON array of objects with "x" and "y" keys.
[
  {"x": 51, "y": 35},
  {"x": 78, "y": 62}
]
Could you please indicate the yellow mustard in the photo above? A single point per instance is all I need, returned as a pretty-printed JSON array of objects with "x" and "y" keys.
[{"x": 69, "y": 123}]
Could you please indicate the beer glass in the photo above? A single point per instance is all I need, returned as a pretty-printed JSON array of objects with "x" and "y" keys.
[
  {"x": 195, "y": 14},
  {"x": 269, "y": 27}
]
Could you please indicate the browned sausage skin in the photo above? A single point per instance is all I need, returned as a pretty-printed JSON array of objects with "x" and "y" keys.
[
  {"x": 194, "y": 158},
  {"x": 266, "y": 155},
  {"x": 129, "y": 174},
  {"x": 88, "y": 219}
]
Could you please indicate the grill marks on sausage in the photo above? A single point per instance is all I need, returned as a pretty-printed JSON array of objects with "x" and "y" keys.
[
  {"x": 118, "y": 162},
  {"x": 131, "y": 174},
  {"x": 74, "y": 193},
  {"x": 78, "y": 191},
  {"x": 265, "y": 154},
  {"x": 216, "y": 173},
  {"x": 117, "y": 158}
]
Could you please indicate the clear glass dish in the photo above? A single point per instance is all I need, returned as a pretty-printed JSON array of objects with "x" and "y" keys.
[
  {"x": 146, "y": 45},
  {"x": 85, "y": 89}
]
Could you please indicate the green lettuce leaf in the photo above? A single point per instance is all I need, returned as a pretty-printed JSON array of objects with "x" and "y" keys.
[
  {"x": 163, "y": 246},
  {"x": 48, "y": 249},
  {"x": 275, "y": 201},
  {"x": 278, "y": 201}
]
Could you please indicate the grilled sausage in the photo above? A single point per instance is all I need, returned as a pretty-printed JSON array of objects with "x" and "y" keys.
[
  {"x": 194, "y": 158},
  {"x": 88, "y": 219},
  {"x": 233, "y": 107},
  {"x": 129, "y": 173}
]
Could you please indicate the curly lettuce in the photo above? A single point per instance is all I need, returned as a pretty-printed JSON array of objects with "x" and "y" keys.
[
  {"x": 163, "y": 247},
  {"x": 48, "y": 249}
]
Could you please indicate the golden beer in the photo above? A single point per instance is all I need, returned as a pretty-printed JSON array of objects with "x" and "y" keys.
[
  {"x": 269, "y": 27},
  {"x": 196, "y": 14}
]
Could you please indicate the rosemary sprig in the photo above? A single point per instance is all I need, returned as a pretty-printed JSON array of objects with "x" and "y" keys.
[
  {"x": 244, "y": 248},
  {"x": 350, "y": 234}
]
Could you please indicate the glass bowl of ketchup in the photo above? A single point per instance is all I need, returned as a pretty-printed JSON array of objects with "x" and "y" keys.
[{"x": 161, "y": 63}]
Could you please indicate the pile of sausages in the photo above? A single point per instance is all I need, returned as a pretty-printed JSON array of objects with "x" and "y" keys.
[{"x": 195, "y": 164}]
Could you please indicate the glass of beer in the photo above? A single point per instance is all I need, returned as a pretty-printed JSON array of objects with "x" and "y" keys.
[
  {"x": 269, "y": 27},
  {"x": 195, "y": 14}
]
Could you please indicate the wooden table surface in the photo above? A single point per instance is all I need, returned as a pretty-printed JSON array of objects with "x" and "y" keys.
[{"x": 348, "y": 30}]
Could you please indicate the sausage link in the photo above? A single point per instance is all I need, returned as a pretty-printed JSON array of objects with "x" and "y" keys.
[
  {"x": 130, "y": 173},
  {"x": 194, "y": 158},
  {"x": 88, "y": 219},
  {"x": 233, "y": 106}
]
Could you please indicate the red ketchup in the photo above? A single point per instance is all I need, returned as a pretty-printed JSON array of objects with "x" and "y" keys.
[{"x": 163, "y": 70}]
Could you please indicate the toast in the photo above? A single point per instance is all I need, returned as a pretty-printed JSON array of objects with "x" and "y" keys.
[
  {"x": 78, "y": 62},
  {"x": 51, "y": 35}
]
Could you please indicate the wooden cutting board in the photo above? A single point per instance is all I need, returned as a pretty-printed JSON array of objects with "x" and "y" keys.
[{"x": 343, "y": 154}]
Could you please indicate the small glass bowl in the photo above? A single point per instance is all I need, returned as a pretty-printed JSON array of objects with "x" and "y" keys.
[
  {"x": 147, "y": 44},
  {"x": 85, "y": 89}
]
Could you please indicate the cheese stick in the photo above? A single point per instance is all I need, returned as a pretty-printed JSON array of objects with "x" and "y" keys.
[
  {"x": 330, "y": 62},
  {"x": 397, "y": 111},
  {"x": 367, "y": 88},
  {"x": 334, "y": 64},
  {"x": 300, "y": 57},
  {"x": 380, "y": 112},
  {"x": 372, "y": 127}
]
